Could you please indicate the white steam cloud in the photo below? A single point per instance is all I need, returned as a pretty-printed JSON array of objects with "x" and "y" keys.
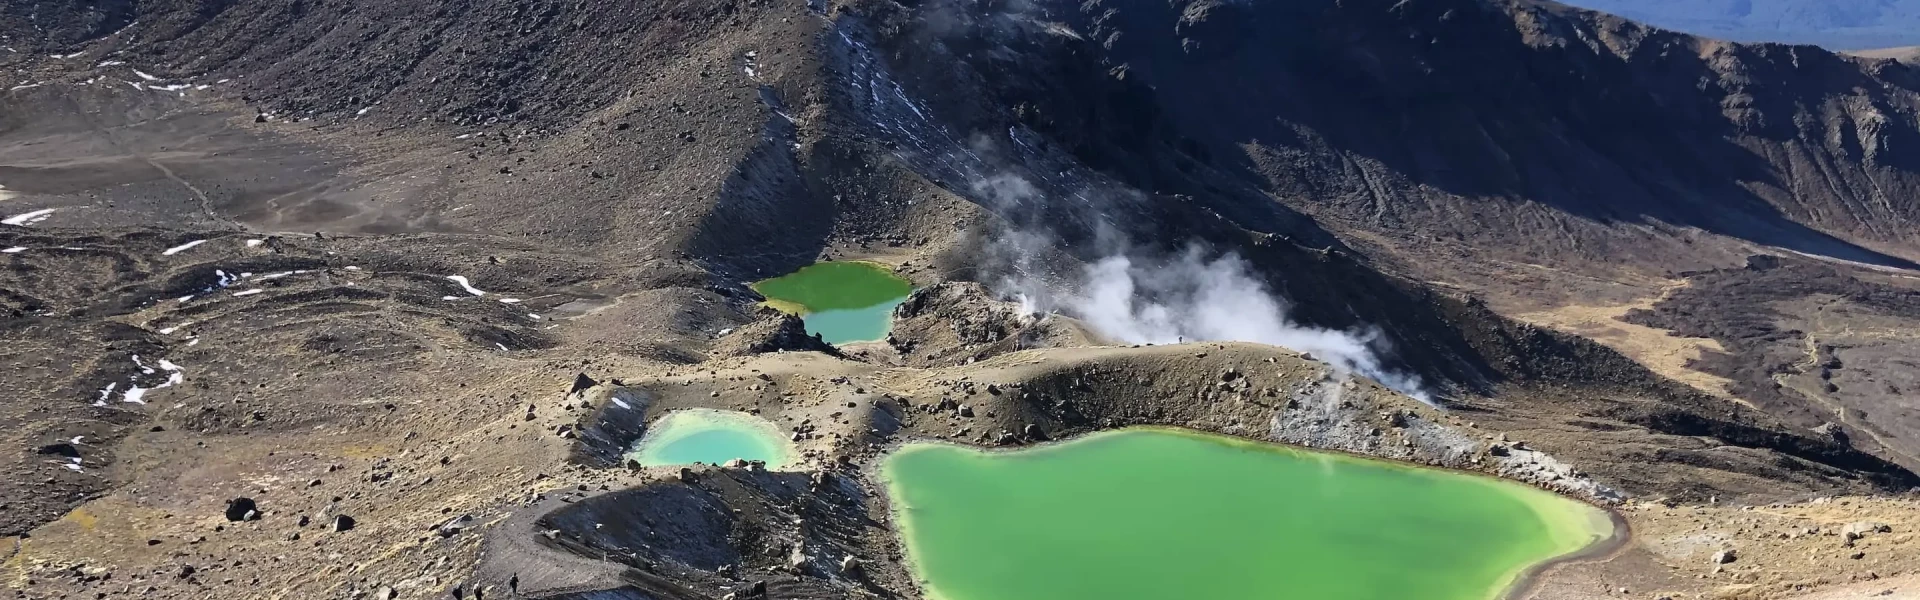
[
  {"x": 1190, "y": 298},
  {"x": 1137, "y": 298}
]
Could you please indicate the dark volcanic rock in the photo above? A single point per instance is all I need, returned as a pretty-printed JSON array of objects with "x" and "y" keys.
[
  {"x": 771, "y": 331},
  {"x": 242, "y": 509}
]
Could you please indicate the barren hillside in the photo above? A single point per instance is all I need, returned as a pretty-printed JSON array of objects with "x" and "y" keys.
[{"x": 417, "y": 263}]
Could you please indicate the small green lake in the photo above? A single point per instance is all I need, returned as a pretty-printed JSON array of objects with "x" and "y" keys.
[
  {"x": 1154, "y": 513},
  {"x": 845, "y": 301},
  {"x": 701, "y": 435}
]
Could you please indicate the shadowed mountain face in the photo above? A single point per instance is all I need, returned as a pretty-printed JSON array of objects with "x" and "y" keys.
[
  {"x": 1514, "y": 125},
  {"x": 1517, "y": 149},
  {"x": 1851, "y": 24}
]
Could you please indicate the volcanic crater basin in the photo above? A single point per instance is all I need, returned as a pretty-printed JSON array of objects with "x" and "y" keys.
[
  {"x": 1153, "y": 513},
  {"x": 841, "y": 301},
  {"x": 708, "y": 436}
]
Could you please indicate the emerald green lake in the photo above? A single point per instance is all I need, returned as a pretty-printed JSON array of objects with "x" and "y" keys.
[
  {"x": 1158, "y": 514},
  {"x": 848, "y": 301},
  {"x": 700, "y": 435}
]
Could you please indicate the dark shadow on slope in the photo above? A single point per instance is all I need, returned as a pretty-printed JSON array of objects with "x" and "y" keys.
[
  {"x": 766, "y": 221},
  {"x": 1453, "y": 97}
]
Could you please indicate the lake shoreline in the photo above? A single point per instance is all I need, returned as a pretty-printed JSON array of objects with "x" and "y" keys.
[
  {"x": 1528, "y": 581},
  {"x": 1520, "y": 586}
]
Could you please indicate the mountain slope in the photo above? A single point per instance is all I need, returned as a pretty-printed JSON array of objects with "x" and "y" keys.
[
  {"x": 1541, "y": 156},
  {"x": 1836, "y": 25}
]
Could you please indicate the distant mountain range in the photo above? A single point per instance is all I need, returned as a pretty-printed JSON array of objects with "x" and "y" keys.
[{"x": 1837, "y": 24}]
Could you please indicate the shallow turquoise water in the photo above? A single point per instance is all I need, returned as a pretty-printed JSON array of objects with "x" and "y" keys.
[
  {"x": 701, "y": 435},
  {"x": 842, "y": 302},
  {"x": 853, "y": 324}
]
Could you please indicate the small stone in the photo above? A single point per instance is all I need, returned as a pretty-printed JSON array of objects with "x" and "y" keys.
[
  {"x": 454, "y": 526},
  {"x": 1724, "y": 556},
  {"x": 343, "y": 523},
  {"x": 1860, "y": 529}
]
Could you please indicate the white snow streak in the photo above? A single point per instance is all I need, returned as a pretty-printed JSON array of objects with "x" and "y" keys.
[
  {"x": 464, "y": 284},
  {"x": 29, "y": 218},
  {"x": 248, "y": 292},
  {"x": 182, "y": 248}
]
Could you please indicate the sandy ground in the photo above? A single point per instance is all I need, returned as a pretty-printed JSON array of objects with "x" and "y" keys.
[{"x": 1658, "y": 349}]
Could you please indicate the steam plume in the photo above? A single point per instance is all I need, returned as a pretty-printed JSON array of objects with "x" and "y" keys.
[{"x": 1136, "y": 297}]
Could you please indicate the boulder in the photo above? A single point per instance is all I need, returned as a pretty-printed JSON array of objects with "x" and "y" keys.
[
  {"x": 242, "y": 509},
  {"x": 1860, "y": 529}
]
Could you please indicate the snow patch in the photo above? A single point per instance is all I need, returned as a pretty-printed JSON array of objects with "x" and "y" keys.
[
  {"x": 253, "y": 243},
  {"x": 29, "y": 218},
  {"x": 248, "y": 292},
  {"x": 14, "y": 250},
  {"x": 466, "y": 285},
  {"x": 145, "y": 76},
  {"x": 182, "y": 248}
]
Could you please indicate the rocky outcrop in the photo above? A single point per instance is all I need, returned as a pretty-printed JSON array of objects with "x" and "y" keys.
[
  {"x": 770, "y": 331},
  {"x": 957, "y": 322}
]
